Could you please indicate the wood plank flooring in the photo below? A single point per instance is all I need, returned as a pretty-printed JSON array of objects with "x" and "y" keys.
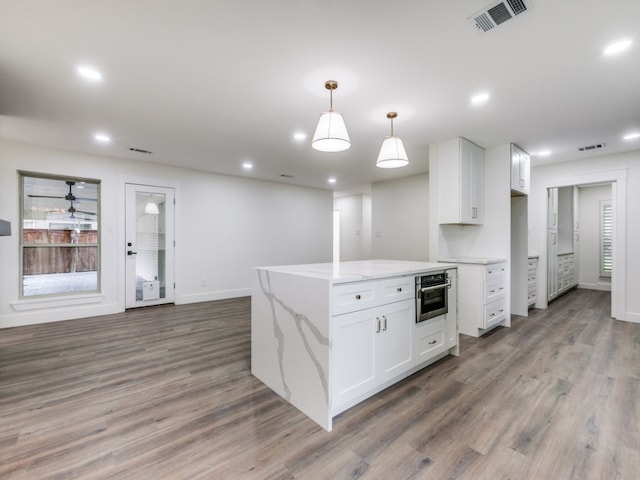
[{"x": 166, "y": 393}]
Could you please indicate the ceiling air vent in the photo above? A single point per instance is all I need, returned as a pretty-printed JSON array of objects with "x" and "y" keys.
[
  {"x": 139, "y": 150},
  {"x": 497, "y": 13},
  {"x": 588, "y": 148}
]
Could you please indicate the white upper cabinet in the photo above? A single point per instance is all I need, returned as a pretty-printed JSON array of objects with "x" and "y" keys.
[
  {"x": 461, "y": 182},
  {"x": 520, "y": 165}
]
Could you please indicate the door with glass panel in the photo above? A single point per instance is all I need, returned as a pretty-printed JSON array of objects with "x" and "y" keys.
[{"x": 149, "y": 245}]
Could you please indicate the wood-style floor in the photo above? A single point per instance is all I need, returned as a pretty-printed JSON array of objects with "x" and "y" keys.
[{"x": 166, "y": 393}]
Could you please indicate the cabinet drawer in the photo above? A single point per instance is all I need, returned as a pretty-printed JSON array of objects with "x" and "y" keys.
[
  {"x": 495, "y": 271},
  {"x": 532, "y": 264},
  {"x": 429, "y": 340},
  {"x": 495, "y": 290},
  {"x": 397, "y": 288},
  {"x": 494, "y": 313},
  {"x": 350, "y": 297}
]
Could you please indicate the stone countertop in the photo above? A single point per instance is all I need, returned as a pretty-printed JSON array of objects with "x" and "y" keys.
[
  {"x": 474, "y": 260},
  {"x": 355, "y": 271}
]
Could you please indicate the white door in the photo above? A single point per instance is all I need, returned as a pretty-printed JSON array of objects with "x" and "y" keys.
[{"x": 149, "y": 248}]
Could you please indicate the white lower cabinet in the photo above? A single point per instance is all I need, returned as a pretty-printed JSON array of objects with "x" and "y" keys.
[
  {"x": 370, "y": 347},
  {"x": 377, "y": 345},
  {"x": 562, "y": 275},
  {"x": 482, "y": 298},
  {"x": 430, "y": 339}
]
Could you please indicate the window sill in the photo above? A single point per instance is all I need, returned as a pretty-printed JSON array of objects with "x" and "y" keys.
[{"x": 54, "y": 302}]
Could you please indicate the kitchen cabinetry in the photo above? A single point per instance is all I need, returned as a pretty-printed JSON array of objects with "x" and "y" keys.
[
  {"x": 482, "y": 303},
  {"x": 566, "y": 273},
  {"x": 563, "y": 235},
  {"x": 325, "y": 337},
  {"x": 370, "y": 347},
  {"x": 461, "y": 182},
  {"x": 532, "y": 280},
  {"x": 520, "y": 166}
]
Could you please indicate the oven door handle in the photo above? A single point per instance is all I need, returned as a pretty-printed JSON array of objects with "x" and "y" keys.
[{"x": 436, "y": 287}]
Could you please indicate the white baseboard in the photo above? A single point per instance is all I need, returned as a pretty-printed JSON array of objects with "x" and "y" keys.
[
  {"x": 212, "y": 296},
  {"x": 605, "y": 287},
  {"x": 631, "y": 317}
]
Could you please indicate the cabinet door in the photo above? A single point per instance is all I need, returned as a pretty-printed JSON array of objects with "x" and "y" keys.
[
  {"x": 394, "y": 354},
  {"x": 353, "y": 355},
  {"x": 460, "y": 182},
  {"x": 471, "y": 183},
  {"x": 520, "y": 165}
]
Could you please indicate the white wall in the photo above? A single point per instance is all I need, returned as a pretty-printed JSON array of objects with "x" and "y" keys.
[
  {"x": 400, "y": 218},
  {"x": 589, "y": 245},
  {"x": 224, "y": 226},
  {"x": 625, "y": 169},
  {"x": 355, "y": 226}
]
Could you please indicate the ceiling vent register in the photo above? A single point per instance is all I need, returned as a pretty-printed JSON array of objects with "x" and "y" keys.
[
  {"x": 595, "y": 146},
  {"x": 497, "y": 13}
]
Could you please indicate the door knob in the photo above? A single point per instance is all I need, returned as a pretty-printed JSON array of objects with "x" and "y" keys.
[{"x": 131, "y": 252}]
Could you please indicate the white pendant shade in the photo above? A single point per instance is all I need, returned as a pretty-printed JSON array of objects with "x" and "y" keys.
[
  {"x": 331, "y": 133},
  {"x": 151, "y": 208},
  {"x": 392, "y": 154}
]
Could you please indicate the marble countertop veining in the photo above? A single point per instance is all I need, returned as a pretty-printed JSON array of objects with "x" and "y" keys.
[{"x": 354, "y": 271}]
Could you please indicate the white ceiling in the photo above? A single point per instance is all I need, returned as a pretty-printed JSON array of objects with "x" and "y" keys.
[{"x": 209, "y": 84}]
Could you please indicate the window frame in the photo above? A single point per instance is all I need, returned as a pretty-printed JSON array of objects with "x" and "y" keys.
[{"x": 23, "y": 245}]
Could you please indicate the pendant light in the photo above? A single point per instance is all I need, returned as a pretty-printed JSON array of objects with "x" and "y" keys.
[
  {"x": 151, "y": 208},
  {"x": 331, "y": 133},
  {"x": 392, "y": 153}
]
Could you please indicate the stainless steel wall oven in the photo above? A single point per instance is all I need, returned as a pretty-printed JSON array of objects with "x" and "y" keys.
[{"x": 431, "y": 295}]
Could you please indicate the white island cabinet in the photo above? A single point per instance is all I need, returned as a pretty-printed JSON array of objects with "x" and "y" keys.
[{"x": 327, "y": 336}]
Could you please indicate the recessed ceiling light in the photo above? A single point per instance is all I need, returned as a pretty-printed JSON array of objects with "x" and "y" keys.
[
  {"x": 480, "y": 98},
  {"x": 247, "y": 165},
  {"x": 299, "y": 136},
  {"x": 542, "y": 153},
  {"x": 331, "y": 180},
  {"x": 89, "y": 73},
  {"x": 101, "y": 137},
  {"x": 617, "y": 47},
  {"x": 632, "y": 136}
]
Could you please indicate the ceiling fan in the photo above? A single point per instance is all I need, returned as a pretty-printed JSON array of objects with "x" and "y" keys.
[{"x": 70, "y": 197}]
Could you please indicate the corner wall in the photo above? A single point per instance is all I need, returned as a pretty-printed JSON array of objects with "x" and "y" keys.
[{"x": 400, "y": 218}]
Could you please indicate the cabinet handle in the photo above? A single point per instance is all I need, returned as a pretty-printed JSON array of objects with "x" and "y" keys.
[
  {"x": 384, "y": 329},
  {"x": 492, "y": 291},
  {"x": 378, "y": 328},
  {"x": 358, "y": 296},
  {"x": 492, "y": 315},
  {"x": 432, "y": 342},
  {"x": 474, "y": 212},
  {"x": 399, "y": 289}
]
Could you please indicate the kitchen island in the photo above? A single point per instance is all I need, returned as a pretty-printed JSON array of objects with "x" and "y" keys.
[{"x": 327, "y": 336}]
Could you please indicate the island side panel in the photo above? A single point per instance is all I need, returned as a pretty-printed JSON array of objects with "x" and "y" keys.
[{"x": 290, "y": 339}]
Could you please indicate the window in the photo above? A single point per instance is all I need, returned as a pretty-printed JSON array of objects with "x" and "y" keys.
[
  {"x": 606, "y": 234},
  {"x": 59, "y": 235}
]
